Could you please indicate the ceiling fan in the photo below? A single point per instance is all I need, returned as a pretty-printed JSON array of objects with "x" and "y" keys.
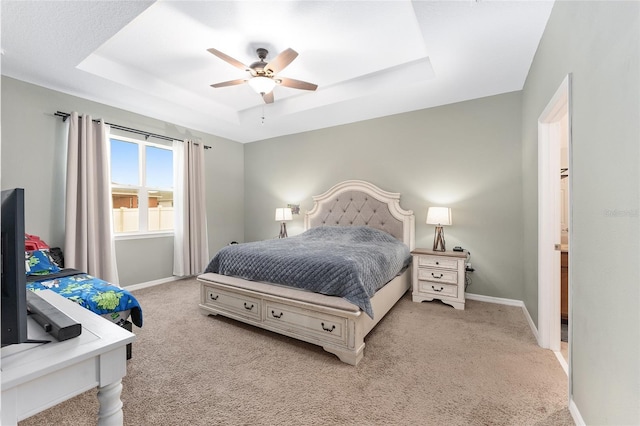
[{"x": 263, "y": 74}]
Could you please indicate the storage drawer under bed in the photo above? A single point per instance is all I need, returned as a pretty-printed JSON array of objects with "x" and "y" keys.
[
  {"x": 232, "y": 302},
  {"x": 329, "y": 328}
]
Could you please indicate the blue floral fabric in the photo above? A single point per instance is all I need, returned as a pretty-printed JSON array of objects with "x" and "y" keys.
[
  {"x": 92, "y": 293},
  {"x": 39, "y": 262}
]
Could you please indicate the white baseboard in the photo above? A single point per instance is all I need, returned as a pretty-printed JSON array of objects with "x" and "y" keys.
[
  {"x": 509, "y": 302},
  {"x": 490, "y": 299},
  {"x": 152, "y": 283},
  {"x": 575, "y": 413},
  {"x": 562, "y": 361},
  {"x": 532, "y": 325}
]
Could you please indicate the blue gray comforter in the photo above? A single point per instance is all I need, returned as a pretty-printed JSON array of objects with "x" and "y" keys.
[{"x": 350, "y": 261}]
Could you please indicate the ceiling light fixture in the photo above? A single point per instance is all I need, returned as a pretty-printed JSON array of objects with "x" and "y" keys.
[{"x": 261, "y": 84}]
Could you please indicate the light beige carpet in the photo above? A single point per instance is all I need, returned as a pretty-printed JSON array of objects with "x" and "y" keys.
[{"x": 424, "y": 364}]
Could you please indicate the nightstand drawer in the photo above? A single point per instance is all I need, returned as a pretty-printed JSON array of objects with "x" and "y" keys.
[
  {"x": 437, "y": 262},
  {"x": 439, "y": 289},
  {"x": 438, "y": 275}
]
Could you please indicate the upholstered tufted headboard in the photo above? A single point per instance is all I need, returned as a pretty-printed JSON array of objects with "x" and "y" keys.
[{"x": 356, "y": 202}]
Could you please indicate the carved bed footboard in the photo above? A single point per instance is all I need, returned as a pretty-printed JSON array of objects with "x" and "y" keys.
[{"x": 328, "y": 321}]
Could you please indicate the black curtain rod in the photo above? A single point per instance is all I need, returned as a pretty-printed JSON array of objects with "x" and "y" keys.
[{"x": 146, "y": 135}]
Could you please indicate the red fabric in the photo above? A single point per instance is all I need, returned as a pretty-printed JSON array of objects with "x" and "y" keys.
[{"x": 33, "y": 242}]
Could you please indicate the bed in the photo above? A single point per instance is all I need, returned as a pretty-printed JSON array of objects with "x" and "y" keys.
[{"x": 337, "y": 324}]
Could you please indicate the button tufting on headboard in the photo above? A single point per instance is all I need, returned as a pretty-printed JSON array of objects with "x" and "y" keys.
[
  {"x": 359, "y": 203},
  {"x": 357, "y": 208}
]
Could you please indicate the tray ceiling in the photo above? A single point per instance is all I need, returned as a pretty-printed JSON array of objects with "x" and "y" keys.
[{"x": 369, "y": 58}]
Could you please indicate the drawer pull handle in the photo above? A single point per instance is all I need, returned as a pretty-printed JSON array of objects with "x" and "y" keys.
[
  {"x": 333, "y": 327},
  {"x": 248, "y": 308},
  {"x": 212, "y": 297},
  {"x": 437, "y": 263},
  {"x": 434, "y": 275},
  {"x": 276, "y": 316},
  {"x": 438, "y": 290}
]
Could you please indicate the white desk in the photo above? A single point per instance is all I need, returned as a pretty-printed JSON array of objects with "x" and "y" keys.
[{"x": 38, "y": 376}]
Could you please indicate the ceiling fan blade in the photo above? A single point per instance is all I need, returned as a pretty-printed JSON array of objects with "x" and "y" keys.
[
  {"x": 296, "y": 84},
  {"x": 281, "y": 61},
  {"x": 229, "y": 83},
  {"x": 268, "y": 97},
  {"x": 228, "y": 59}
]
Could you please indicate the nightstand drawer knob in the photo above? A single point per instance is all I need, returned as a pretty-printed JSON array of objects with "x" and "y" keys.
[
  {"x": 247, "y": 307},
  {"x": 437, "y": 289},
  {"x": 276, "y": 316},
  {"x": 436, "y": 276},
  {"x": 212, "y": 297},
  {"x": 437, "y": 263}
]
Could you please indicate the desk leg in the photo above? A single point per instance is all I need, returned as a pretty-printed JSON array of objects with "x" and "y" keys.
[
  {"x": 9, "y": 411},
  {"x": 110, "y": 413}
]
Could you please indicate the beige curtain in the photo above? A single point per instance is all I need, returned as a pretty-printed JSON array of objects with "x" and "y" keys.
[
  {"x": 89, "y": 245},
  {"x": 190, "y": 246}
]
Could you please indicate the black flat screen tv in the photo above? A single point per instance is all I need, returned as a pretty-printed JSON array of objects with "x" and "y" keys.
[{"x": 14, "y": 297}]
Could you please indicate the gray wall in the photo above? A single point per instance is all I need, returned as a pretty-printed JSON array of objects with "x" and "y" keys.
[
  {"x": 466, "y": 156},
  {"x": 478, "y": 157},
  {"x": 33, "y": 157},
  {"x": 599, "y": 43}
]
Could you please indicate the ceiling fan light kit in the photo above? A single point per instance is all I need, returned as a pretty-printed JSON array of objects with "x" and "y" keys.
[
  {"x": 263, "y": 75},
  {"x": 261, "y": 84}
]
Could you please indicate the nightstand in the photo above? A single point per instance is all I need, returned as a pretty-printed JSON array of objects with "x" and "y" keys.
[{"x": 439, "y": 275}]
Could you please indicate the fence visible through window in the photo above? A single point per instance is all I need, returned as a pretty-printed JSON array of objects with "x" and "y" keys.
[
  {"x": 141, "y": 186},
  {"x": 126, "y": 220}
]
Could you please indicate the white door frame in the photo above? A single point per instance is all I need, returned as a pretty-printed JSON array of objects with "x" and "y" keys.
[{"x": 549, "y": 138}]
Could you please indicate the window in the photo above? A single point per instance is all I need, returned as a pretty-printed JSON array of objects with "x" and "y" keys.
[{"x": 141, "y": 186}]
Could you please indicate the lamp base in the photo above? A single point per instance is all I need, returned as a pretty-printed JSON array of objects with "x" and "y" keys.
[
  {"x": 283, "y": 230},
  {"x": 438, "y": 239}
]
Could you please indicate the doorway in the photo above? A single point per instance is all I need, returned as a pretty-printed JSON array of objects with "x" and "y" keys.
[
  {"x": 554, "y": 216},
  {"x": 564, "y": 236}
]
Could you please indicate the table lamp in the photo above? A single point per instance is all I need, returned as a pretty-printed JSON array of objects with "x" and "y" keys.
[
  {"x": 439, "y": 216},
  {"x": 283, "y": 214}
]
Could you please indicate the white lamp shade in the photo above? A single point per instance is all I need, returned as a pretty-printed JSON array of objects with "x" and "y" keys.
[
  {"x": 439, "y": 216},
  {"x": 262, "y": 84},
  {"x": 283, "y": 214}
]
